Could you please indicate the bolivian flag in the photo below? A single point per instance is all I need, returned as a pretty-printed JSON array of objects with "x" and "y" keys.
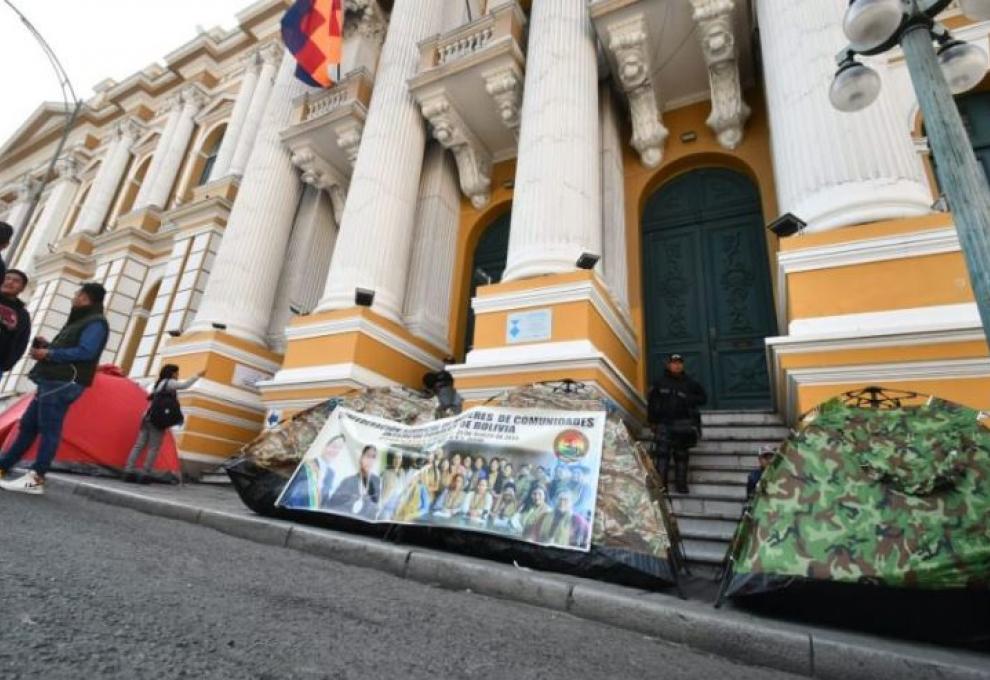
[{"x": 313, "y": 31}]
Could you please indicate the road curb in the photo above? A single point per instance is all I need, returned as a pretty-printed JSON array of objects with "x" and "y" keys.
[{"x": 799, "y": 649}]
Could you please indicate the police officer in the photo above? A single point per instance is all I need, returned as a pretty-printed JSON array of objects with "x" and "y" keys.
[{"x": 673, "y": 412}]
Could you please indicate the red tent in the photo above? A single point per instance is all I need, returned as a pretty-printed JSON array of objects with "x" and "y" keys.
[{"x": 100, "y": 428}]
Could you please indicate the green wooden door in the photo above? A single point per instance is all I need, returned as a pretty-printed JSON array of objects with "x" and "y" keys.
[
  {"x": 488, "y": 265},
  {"x": 975, "y": 112},
  {"x": 706, "y": 285}
]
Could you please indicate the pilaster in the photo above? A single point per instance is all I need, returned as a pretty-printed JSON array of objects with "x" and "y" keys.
[
  {"x": 249, "y": 81},
  {"x": 270, "y": 57}
]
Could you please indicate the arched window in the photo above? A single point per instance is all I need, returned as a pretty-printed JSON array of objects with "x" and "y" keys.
[
  {"x": 70, "y": 221},
  {"x": 208, "y": 154},
  {"x": 133, "y": 186}
]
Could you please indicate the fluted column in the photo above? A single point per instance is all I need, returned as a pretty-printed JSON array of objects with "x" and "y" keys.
[
  {"x": 243, "y": 282},
  {"x": 306, "y": 260},
  {"x": 260, "y": 96},
  {"x": 53, "y": 214},
  {"x": 108, "y": 178},
  {"x": 615, "y": 257},
  {"x": 18, "y": 211},
  {"x": 832, "y": 169},
  {"x": 237, "y": 117},
  {"x": 174, "y": 150},
  {"x": 373, "y": 248},
  {"x": 427, "y": 311},
  {"x": 556, "y": 213},
  {"x": 173, "y": 106}
]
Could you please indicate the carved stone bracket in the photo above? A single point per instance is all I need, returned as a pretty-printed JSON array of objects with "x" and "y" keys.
[
  {"x": 718, "y": 43},
  {"x": 349, "y": 139},
  {"x": 506, "y": 88},
  {"x": 628, "y": 45},
  {"x": 474, "y": 161},
  {"x": 365, "y": 18},
  {"x": 318, "y": 173}
]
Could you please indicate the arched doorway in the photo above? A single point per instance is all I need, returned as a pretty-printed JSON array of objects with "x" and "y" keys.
[
  {"x": 488, "y": 265},
  {"x": 706, "y": 285}
]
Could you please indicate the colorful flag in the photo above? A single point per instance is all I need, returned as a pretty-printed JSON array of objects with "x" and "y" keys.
[{"x": 313, "y": 31}]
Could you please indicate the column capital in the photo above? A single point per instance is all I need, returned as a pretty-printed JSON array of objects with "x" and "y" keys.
[
  {"x": 127, "y": 128},
  {"x": 25, "y": 188},
  {"x": 718, "y": 44},
  {"x": 68, "y": 166},
  {"x": 193, "y": 97},
  {"x": 271, "y": 54},
  {"x": 369, "y": 21}
]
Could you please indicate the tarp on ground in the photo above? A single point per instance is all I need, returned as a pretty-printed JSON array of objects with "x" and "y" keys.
[
  {"x": 99, "y": 430},
  {"x": 894, "y": 497},
  {"x": 631, "y": 533}
]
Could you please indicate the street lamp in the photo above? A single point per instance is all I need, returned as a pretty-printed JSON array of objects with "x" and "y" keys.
[{"x": 875, "y": 26}]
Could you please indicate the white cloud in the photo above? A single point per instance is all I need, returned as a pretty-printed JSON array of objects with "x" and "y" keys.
[{"x": 94, "y": 40}]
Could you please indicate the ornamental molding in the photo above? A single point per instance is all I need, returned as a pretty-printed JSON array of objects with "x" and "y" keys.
[
  {"x": 628, "y": 46},
  {"x": 317, "y": 173},
  {"x": 506, "y": 88},
  {"x": 366, "y": 19},
  {"x": 474, "y": 160},
  {"x": 349, "y": 139},
  {"x": 718, "y": 44}
]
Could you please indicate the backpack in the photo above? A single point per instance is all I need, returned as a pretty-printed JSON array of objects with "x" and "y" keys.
[{"x": 164, "y": 411}]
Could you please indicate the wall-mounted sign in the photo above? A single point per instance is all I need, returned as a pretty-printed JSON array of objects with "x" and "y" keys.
[
  {"x": 246, "y": 376},
  {"x": 531, "y": 326}
]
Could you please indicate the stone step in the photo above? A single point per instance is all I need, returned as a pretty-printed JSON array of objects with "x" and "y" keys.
[
  {"x": 748, "y": 447},
  {"x": 697, "y": 505},
  {"x": 723, "y": 461},
  {"x": 740, "y": 418},
  {"x": 716, "y": 491},
  {"x": 747, "y": 433},
  {"x": 715, "y": 475},
  {"x": 706, "y": 528},
  {"x": 704, "y": 551}
]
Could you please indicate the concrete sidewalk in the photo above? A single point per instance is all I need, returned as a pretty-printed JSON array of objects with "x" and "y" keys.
[{"x": 796, "y": 648}]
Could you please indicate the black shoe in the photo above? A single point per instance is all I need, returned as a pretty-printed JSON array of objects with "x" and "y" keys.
[
  {"x": 144, "y": 478},
  {"x": 129, "y": 476}
]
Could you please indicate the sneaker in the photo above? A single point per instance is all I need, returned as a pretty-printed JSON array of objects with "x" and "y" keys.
[{"x": 29, "y": 483}]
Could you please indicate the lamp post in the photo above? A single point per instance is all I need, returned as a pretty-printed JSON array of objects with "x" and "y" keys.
[{"x": 875, "y": 26}]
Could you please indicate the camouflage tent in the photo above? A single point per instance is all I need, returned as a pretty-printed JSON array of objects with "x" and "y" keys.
[
  {"x": 897, "y": 497},
  {"x": 632, "y": 532}
]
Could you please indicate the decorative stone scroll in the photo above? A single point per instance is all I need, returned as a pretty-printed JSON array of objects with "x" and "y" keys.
[
  {"x": 628, "y": 45},
  {"x": 474, "y": 161},
  {"x": 718, "y": 43}
]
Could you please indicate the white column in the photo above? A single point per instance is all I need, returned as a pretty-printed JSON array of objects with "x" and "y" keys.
[
  {"x": 237, "y": 117},
  {"x": 172, "y": 105},
  {"x": 376, "y": 230},
  {"x": 18, "y": 211},
  {"x": 53, "y": 215},
  {"x": 244, "y": 278},
  {"x": 556, "y": 213},
  {"x": 108, "y": 177},
  {"x": 174, "y": 151},
  {"x": 615, "y": 257},
  {"x": 306, "y": 261},
  {"x": 431, "y": 274},
  {"x": 832, "y": 169},
  {"x": 259, "y": 100}
]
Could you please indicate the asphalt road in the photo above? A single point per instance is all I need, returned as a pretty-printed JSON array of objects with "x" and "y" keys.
[{"x": 93, "y": 591}]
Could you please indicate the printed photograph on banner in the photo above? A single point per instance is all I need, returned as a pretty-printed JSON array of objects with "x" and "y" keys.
[{"x": 525, "y": 474}]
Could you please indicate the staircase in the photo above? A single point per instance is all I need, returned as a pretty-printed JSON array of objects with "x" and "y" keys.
[{"x": 707, "y": 516}]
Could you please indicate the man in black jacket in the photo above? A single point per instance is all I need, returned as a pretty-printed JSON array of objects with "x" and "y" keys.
[
  {"x": 64, "y": 369},
  {"x": 6, "y": 236},
  {"x": 673, "y": 412},
  {"x": 15, "y": 322}
]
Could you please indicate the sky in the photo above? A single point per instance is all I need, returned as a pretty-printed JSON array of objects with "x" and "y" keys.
[{"x": 94, "y": 40}]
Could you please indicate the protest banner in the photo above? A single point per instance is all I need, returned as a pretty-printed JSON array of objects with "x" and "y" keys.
[{"x": 526, "y": 474}]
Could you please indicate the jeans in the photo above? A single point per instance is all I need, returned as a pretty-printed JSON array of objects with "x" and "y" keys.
[
  {"x": 44, "y": 418},
  {"x": 149, "y": 436}
]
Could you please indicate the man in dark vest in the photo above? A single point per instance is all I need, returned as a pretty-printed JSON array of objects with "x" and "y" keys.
[
  {"x": 6, "y": 235},
  {"x": 65, "y": 367},
  {"x": 673, "y": 411},
  {"x": 15, "y": 322}
]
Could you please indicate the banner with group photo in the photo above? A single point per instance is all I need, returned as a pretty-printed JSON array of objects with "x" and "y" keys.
[{"x": 526, "y": 474}]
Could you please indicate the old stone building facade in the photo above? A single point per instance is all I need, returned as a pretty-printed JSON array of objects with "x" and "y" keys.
[{"x": 468, "y": 158}]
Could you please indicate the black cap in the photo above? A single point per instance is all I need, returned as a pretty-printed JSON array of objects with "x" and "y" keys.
[{"x": 675, "y": 357}]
